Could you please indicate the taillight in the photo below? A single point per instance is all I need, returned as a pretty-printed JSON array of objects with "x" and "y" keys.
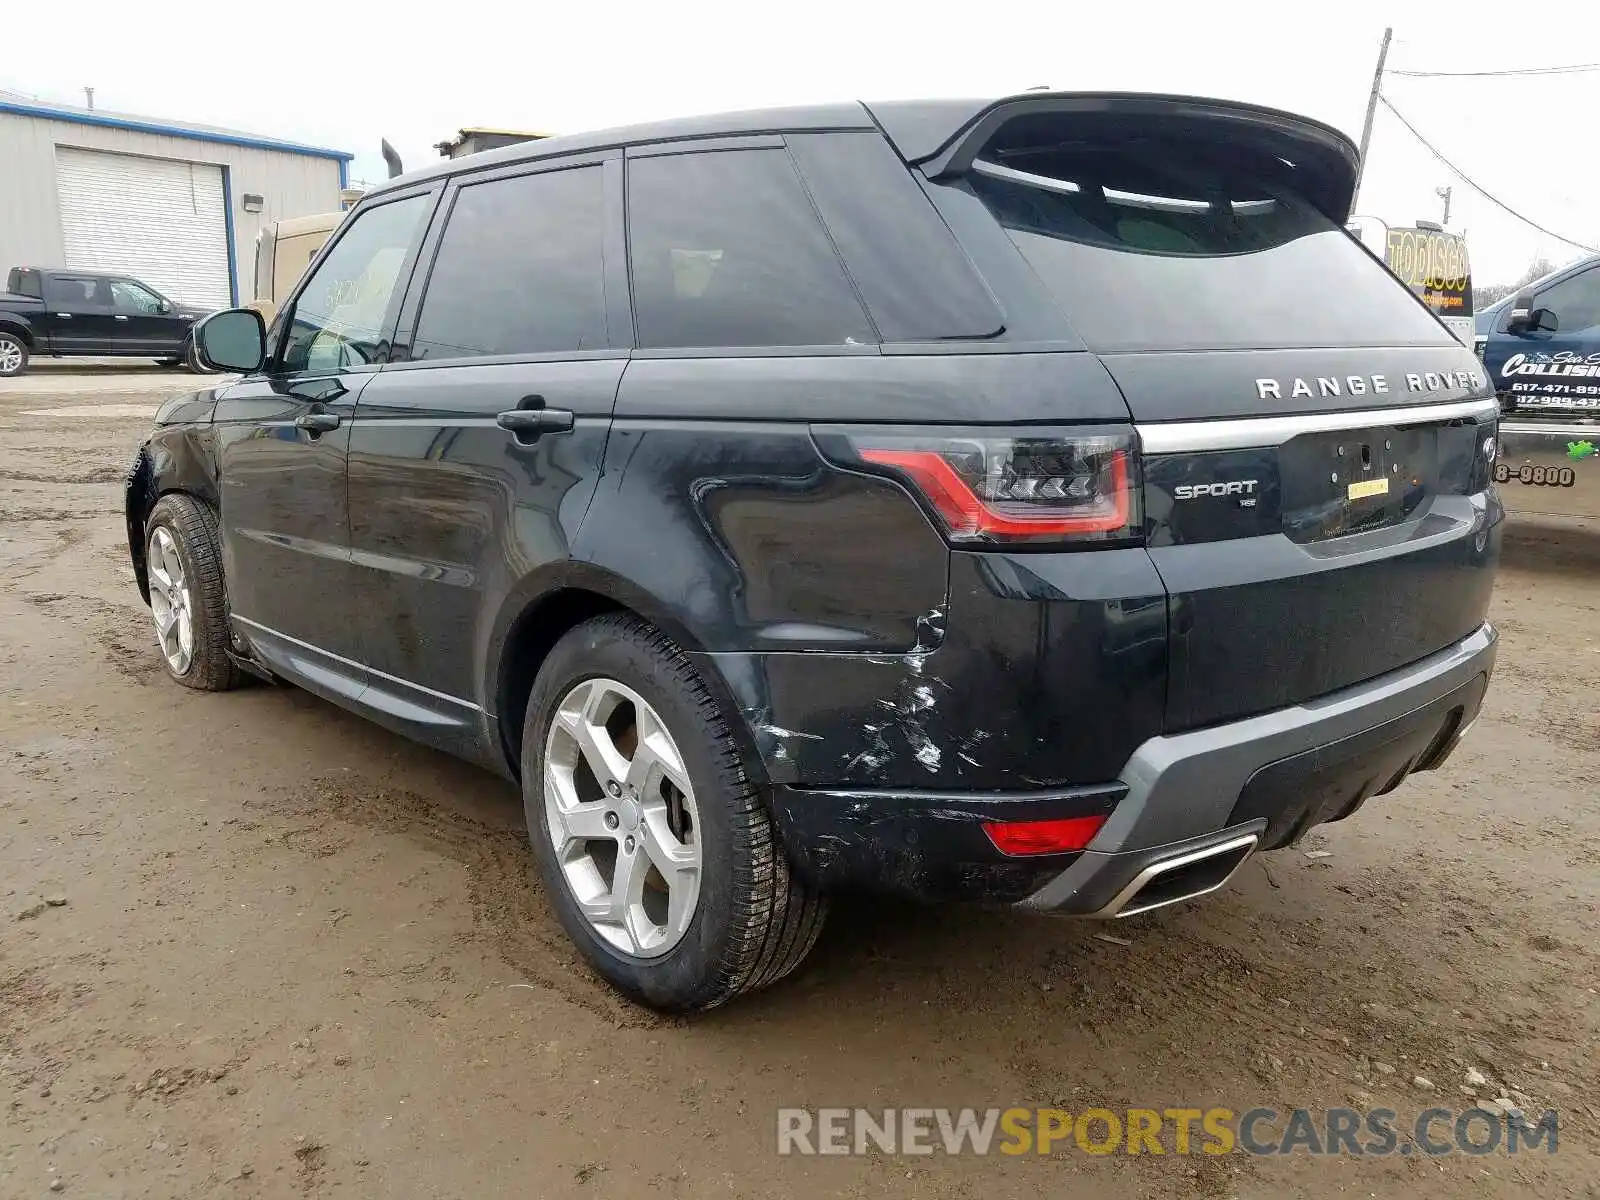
[
  {"x": 1010, "y": 488},
  {"x": 1058, "y": 836}
]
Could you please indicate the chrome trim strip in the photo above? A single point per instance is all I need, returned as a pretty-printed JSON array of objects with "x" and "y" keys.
[
  {"x": 1179, "y": 437},
  {"x": 350, "y": 662},
  {"x": 1125, "y": 903},
  {"x": 1044, "y": 183}
]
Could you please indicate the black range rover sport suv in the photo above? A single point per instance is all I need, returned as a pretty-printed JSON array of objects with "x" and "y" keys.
[{"x": 1041, "y": 501}]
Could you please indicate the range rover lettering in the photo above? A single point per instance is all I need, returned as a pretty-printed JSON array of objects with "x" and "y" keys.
[{"x": 954, "y": 499}]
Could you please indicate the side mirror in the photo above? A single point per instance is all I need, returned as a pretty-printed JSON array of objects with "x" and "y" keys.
[
  {"x": 163, "y": 307},
  {"x": 1520, "y": 313},
  {"x": 231, "y": 340},
  {"x": 1542, "y": 320}
]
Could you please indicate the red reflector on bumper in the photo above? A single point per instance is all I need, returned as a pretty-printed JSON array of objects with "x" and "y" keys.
[{"x": 1043, "y": 837}]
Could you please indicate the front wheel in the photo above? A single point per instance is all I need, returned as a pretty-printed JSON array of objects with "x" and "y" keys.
[
  {"x": 653, "y": 844},
  {"x": 183, "y": 559},
  {"x": 13, "y": 355}
]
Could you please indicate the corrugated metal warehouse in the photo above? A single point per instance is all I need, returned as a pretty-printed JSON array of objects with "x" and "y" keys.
[{"x": 173, "y": 204}]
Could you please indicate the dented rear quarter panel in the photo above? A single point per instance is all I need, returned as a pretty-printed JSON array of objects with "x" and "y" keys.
[{"x": 821, "y": 599}]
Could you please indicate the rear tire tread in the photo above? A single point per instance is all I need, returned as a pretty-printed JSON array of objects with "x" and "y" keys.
[{"x": 776, "y": 917}]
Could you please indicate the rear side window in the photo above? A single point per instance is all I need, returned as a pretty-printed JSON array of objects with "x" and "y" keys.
[
  {"x": 77, "y": 292},
  {"x": 1173, "y": 243},
  {"x": 726, "y": 250},
  {"x": 24, "y": 283},
  {"x": 520, "y": 269}
]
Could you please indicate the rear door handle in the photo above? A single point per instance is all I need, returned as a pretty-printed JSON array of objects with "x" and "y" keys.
[
  {"x": 317, "y": 422},
  {"x": 529, "y": 423}
]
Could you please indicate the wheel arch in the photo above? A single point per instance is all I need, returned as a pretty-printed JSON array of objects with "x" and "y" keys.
[
  {"x": 173, "y": 460},
  {"x": 22, "y": 330},
  {"x": 549, "y": 606}
]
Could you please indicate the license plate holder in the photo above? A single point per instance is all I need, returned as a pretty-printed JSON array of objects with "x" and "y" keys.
[{"x": 1347, "y": 481}]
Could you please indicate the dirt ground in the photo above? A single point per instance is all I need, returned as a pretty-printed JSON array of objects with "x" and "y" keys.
[{"x": 295, "y": 954}]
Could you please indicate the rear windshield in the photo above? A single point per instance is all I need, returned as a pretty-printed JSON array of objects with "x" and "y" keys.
[
  {"x": 24, "y": 283},
  {"x": 1152, "y": 244}
]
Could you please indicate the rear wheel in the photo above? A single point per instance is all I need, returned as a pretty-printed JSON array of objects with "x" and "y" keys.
[
  {"x": 13, "y": 355},
  {"x": 187, "y": 600},
  {"x": 658, "y": 855}
]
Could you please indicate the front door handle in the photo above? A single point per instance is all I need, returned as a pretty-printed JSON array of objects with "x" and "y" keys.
[
  {"x": 529, "y": 423},
  {"x": 317, "y": 423},
  {"x": 118, "y": 317}
]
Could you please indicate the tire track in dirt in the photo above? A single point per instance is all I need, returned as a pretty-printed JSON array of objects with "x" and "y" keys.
[
  {"x": 96, "y": 475},
  {"x": 123, "y": 633},
  {"x": 507, "y": 910}
]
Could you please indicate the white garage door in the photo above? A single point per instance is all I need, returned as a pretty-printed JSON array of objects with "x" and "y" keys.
[{"x": 157, "y": 219}]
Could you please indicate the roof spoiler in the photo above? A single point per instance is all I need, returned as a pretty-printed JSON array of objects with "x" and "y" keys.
[{"x": 943, "y": 141}]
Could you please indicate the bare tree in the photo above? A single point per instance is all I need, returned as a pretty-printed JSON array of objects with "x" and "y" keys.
[
  {"x": 1489, "y": 293},
  {"x": 1537, "y": 269}
]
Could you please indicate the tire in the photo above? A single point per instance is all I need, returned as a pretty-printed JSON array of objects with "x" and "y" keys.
[
  {"x": 191, "y": 360},
  {"x": 13, "y": 355},
  {"x": 182, "y": 527},
  {"x": 753, "y": 919}
]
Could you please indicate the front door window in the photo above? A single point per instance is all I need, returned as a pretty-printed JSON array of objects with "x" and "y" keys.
[
  {"x": 340, "y": 316},
  {"x": 130, "y": 297}
]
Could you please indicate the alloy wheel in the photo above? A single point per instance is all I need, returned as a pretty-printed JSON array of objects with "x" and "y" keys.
[
  {"x": 170, "y": 601},
  {"x": 10, "y": 357},
  {"x": 620, "y": 811}
]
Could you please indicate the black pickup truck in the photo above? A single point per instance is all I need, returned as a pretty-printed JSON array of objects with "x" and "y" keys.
[{"x": 70, "y": 314}]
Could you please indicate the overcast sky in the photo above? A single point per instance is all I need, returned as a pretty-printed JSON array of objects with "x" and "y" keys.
[{"x": 416, "y": 77}]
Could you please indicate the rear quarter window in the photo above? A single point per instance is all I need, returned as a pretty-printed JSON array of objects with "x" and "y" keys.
[
  {"x": 917, "y": 282},
  {"x": 1156, "y": 245}
]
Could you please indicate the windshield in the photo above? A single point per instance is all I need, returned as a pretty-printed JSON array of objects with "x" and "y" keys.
[{"x": 1174, "y": 243}]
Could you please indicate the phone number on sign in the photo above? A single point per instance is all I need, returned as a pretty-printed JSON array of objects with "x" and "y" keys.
[
  {"x": 1526, "y": 473},
  {"x": 1568, "y": 392}
]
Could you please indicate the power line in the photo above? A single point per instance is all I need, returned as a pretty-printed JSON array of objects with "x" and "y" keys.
[
  {"x": 1570, "y": 69},
  {"x": 1475, "y": 186}
]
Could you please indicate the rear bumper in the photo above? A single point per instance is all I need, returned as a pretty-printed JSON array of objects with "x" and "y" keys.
[{"x": 1185, "y": 812}]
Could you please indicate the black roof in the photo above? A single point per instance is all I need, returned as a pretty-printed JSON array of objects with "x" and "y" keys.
[
  {"x": 758, "y": 120},
  {"x": 87, "y": 274},
  {"x": 938, "y": 132}
]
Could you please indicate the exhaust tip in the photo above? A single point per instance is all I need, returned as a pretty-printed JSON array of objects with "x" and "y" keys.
[{"x": 1181, "y": 877}]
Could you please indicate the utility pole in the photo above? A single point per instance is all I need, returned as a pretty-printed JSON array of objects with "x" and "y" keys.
[
  {"x": 1372, "y": 107},
  {"x": 89, "y": 94},
  {"x": 1444, "y": 194}
]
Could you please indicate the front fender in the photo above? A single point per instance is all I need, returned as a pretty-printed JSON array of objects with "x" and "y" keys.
[
  {"x": 138, "y": 497},
  {"x": 175, "y": 458}
]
